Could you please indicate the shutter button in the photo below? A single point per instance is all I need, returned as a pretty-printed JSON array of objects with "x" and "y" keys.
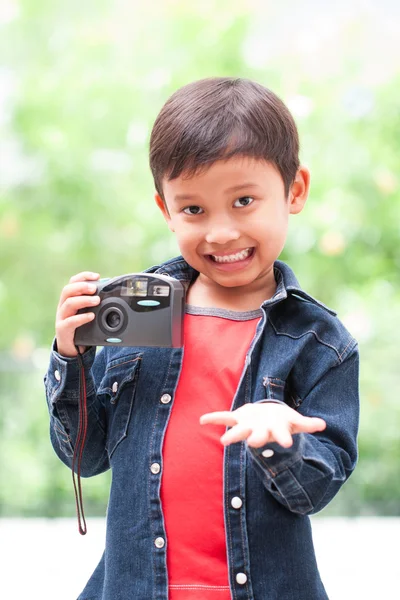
[{"x": 115, "y": 386}]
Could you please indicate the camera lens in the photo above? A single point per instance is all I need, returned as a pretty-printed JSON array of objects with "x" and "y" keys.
[{"x": 113, "y": 319}]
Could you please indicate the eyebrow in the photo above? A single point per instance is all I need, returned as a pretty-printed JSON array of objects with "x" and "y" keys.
[{"x": 234, "y": 188}]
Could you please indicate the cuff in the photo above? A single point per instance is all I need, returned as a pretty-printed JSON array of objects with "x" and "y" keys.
[
  {"x": 63, "y": 375},
  {"x": 274, "y": 458}
]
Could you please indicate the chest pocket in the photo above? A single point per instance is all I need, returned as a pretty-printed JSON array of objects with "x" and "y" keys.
[
  {"x": 277, "y": 389},
  {"x": 118, "y": 388}
]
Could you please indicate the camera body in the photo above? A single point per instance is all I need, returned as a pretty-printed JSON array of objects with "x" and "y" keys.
[{"x": 139, "y": 309}]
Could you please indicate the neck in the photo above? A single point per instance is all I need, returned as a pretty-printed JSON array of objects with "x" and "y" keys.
[{"x": 205, "y": 293}]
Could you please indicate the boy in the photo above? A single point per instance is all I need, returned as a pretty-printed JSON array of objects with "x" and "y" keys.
[{"x": 193, "y": 515}]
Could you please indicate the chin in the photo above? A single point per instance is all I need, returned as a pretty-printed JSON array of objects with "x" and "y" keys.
[{"x": 234, "y": 281}]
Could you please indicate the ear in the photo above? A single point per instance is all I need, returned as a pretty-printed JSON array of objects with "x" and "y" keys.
[
  {"x": 299, "y": 191},
  {"x": 163, "y": 207}
]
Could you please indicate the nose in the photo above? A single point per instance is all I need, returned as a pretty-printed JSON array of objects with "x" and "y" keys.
[{"x": 221, "y": 234}]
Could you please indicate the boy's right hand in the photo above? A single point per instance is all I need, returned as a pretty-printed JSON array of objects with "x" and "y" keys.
[{"x": 78, "y": 293}]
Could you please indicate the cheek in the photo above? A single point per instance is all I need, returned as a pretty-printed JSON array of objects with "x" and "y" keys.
[
  {"x": 270, "y": 231},
  {"x": 186, "y": 237}
]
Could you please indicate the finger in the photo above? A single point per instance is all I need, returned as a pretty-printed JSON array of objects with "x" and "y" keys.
[
  {"x": 76, "y": 289},
  {"x": 65, "y": 333},
  {"x": 224, "y": 417},
  {"x": 236, "y": 434},
  {"x": 281, "y": 435},
  {"x": 71, "y": 306},
  {"x": 68, "y": 326},
  {"x": 85, "y": 276},
  {"x": 308, "y": 425},
  {"x": 259, "y": 437}
]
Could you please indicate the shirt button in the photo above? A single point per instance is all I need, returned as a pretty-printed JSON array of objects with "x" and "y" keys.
[
  {"x": 268, "y": 453},
  {"x": 159, "y": 542},
  {"x": 115, "y": 387},
  {"x": 57, "y": 375},
  {"x": 241, "y": 578},
  {"x": 166, "y": 398},
  {"x": 236, "y": 502},
  {"x": 155, "y": 468}
]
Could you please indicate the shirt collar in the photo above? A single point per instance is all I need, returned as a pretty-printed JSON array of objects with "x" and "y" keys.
[
  {"x": 286, "y": 280},
  {"x": 287, "y": 284}
]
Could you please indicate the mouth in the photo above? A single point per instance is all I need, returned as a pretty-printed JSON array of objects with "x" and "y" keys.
[{"x": 233, "y": 257}]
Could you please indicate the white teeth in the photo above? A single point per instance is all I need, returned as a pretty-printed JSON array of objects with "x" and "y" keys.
[{"x": 232, "y": 257}]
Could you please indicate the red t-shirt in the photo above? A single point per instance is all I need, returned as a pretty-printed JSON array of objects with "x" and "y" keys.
[{"x": 192, "y": 481}]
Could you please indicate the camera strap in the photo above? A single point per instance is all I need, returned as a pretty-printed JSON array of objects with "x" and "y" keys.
[{"x": 79, "y": 447}]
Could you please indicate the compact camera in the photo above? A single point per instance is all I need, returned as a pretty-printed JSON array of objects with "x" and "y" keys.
[{"x": 140, "y": 309}]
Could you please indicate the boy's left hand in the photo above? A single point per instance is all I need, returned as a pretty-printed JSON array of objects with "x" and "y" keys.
[{"x": 263, "y": 423}]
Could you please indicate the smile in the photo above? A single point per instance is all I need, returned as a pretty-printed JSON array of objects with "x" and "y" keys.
[{"x": 231, "y": 258}]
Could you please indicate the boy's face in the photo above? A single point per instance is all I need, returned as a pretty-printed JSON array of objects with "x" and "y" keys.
[{"x": 231, "y": 220}]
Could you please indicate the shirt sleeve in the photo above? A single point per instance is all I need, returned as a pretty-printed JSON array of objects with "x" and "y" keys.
[
  {"x": 62, "y": 395},
  {"x": 305, "y": 477}
]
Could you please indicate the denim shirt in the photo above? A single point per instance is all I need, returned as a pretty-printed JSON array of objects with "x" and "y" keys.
[{"x": 302, "y": 355}]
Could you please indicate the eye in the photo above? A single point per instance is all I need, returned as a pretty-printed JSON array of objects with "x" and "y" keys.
[
  {"x": 193, "y": 210},
  {"x": 243, "y": 201}
]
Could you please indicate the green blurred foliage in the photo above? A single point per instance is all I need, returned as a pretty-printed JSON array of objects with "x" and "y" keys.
[{"x": 80, "y": 87}]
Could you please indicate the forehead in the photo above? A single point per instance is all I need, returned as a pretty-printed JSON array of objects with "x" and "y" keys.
[{"x": 224, "y": 174}]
